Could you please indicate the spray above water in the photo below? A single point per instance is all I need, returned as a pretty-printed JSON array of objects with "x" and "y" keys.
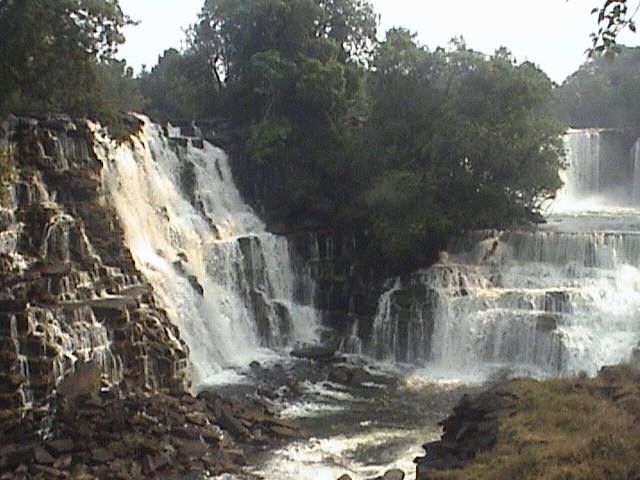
[{"x": 228, "y": 284}]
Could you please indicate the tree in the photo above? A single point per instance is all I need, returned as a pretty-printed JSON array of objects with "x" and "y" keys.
[
  {"x": 49, "y": 62},
  {"x": 614, "y": 16},
  {"x": 180, "y": 86},
  {"x": 230, "y": 32},
  {"x": 603, "y": 93},
  {"x": 115, "y": 81},
  {"x": 450, "y": 134},
  {"x": 290, "y": 74}
]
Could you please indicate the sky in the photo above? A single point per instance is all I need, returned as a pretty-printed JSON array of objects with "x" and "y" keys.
[{"x": 551, "y": 33}]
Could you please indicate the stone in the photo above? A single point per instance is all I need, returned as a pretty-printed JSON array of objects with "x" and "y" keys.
[
  {"x": 102, "y": 455},
  {"x": 190, "y": 448},
  {"x": 196, "y": 285},
  {"x": 86, "y": 379},
  {"x": 340, "y": 374},
  {"x": 48, "y": 472},
  {"x": 13, "y": 455},
  {"x": 283, "y": 431},
  {"x": 42, "y": 456},
  {"x": 197, "y": 418},
  {"x": 472, "y": 428},
  {"x": 546, "y": 322},
  {"x": 394, "y": 474},
  {"x": 64, "y": 462},
  {"x": 315, "y": 352},
  {"x": 60, "y": 446},
  {"x": 345, "y": 477}
]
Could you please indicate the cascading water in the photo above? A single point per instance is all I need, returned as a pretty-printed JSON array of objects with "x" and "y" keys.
[
  {"x": 227, "y": 283},
  {"x": 558, "y": 299},
  {"x": 635, "y": 156},
  {"x": 582, "y": 177}
]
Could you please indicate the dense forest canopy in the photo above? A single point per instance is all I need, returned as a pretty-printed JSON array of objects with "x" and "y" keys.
[
  {"x": 603, "y": 93},
  {"x": 51, "y": 52},
  {"x": 347, "y": 129}
]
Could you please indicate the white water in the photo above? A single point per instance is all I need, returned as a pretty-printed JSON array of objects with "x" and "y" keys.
[
  {"x": 251, "y": 302},
  {"x": 556, "y": 300}
]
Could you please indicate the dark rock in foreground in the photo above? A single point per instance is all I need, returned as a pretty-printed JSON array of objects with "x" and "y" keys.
[
  {"x": 143, "y": 436},
  {"x": 316, "y": 352},
  {"x": 471, "y": 429}
]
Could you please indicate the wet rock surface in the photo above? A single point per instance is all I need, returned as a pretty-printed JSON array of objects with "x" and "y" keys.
[{"x": 70, "y": 294}]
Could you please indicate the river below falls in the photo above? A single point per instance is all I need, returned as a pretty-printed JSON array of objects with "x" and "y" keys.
[{"x": 363, "y": 430}]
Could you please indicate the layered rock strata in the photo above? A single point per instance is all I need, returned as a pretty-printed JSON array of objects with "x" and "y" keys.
[{"x": 70, "y": 295}]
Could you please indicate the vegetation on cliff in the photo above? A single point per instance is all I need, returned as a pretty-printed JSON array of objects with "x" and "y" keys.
[
  {"x": 57, "y": 56},
  {"x": 387, "y": 141}
]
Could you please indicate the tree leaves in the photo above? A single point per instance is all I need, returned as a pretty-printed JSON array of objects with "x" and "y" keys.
[
  {"x": 613, "y": 17},
  {"x": 49, "y": 63}
]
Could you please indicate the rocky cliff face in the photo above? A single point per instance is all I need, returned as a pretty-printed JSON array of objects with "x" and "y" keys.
[
  {"x": 347, "y": 296},
  {"x": 71, "y": 299}
]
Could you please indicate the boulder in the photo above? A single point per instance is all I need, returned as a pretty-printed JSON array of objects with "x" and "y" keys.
[
  {"x": 315, "y": 352},
  {"x": 101, "y": 455},
  {"x": 61, "y": 446},
  {"x": 43, "y": 457},
  {"x": 86, "y": 379},
  {"x": 394, "y": 474}
]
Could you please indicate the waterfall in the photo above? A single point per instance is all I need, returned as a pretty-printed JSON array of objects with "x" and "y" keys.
[
  {"x": 635, "y": 159},
  {"x": 583, "y": 174},
  {"x": 581, "y": 177},
  {"x": 226, "y": 283},
  {"x": 557, "y": 299},
  {"x": 549, "y": 314}
]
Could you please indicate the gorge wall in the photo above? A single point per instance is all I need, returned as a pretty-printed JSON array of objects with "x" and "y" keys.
[{"x": 71, "y": 297}]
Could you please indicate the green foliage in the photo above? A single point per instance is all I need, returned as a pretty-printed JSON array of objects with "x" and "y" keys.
[
  {"x": 573, "y": 428},
  {"x": 291, "y": 76},
  {"x": 614, "y": 16},
  {"x": 268, "y": 141},
  {"x": 603, "y": 93},
  {"x": 116, "y": 83},
  {"x": 394, "y": 143},
  {"x": 456, "y": 141},
  {"x": 180, "y": 86},
  {"x": 49, "y": 62},
  {"x": 60, "y": 59}
]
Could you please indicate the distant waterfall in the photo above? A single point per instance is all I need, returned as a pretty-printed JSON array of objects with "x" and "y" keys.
[
  {"x": 603, "y": 171},
  {"x": 635, "y": 156},
  {"x": 227, "y": 283},
  {"x": 582, "y": 178}
]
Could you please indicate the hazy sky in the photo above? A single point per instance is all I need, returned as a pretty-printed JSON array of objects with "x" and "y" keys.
[{"x": 552, "y": 33}]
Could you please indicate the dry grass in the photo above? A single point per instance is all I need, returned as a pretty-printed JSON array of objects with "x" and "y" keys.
[{"x": 567, "y": 430}]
